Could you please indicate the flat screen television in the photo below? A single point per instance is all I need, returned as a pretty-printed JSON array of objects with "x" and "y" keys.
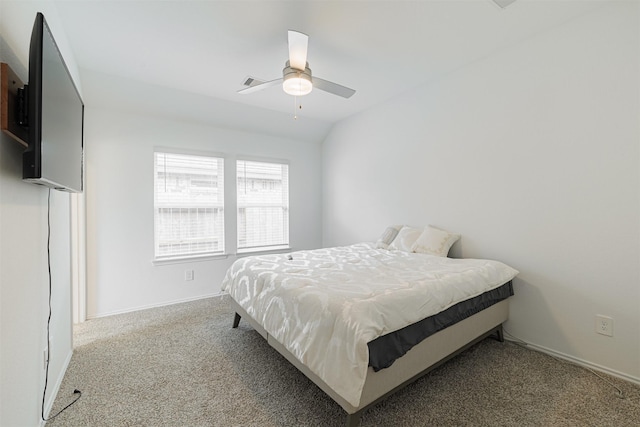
[{"x": 55, "y": 117}]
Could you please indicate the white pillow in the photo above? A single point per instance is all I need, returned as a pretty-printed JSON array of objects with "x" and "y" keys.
[
  {"x": 387, "y": 237},
  {"x": 407, "y": 236},
  {"x": 434, "y": 241}
]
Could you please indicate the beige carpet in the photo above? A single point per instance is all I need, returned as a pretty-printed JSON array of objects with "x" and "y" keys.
[{"x": 183, "y": 365}]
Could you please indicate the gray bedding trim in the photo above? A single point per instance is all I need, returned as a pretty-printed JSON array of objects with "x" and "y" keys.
[{"x": 384, "y": 350}]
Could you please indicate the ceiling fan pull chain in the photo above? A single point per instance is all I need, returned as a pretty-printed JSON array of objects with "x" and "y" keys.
[{"x": 295, "y": 104}]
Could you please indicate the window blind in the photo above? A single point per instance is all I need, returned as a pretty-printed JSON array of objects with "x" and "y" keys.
[
  {"x": 188, "y": 205},
  {"x": 263, "y": 205}
]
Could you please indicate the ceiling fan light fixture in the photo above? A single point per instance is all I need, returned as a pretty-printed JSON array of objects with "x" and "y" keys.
[
  {"x": 297, "y": 86},
  {"x": 296, "y": 82}
]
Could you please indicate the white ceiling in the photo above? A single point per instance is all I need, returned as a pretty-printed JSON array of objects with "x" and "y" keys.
[{"x": 208, "y": 48}]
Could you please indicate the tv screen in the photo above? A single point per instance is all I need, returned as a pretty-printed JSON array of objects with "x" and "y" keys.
[{"x": 55, "y": 117}]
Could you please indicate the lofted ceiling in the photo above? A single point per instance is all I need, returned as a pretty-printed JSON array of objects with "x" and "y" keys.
[{"x": 208, "y": 48}]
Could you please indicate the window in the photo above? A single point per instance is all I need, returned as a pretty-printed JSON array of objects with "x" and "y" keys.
[
  {"x": 263, "y": 205},
  {"x": 189, "y": 205}
]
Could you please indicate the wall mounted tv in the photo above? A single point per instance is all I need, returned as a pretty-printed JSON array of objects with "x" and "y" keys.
[{"x": 55, "y": 116}]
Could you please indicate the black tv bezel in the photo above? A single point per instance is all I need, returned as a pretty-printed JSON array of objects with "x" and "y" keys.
[{"x": 32, "y": 157}]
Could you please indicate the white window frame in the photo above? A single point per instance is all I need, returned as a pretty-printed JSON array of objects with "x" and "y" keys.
[
  {"x": 210, "y": 207},
  {"x": 282, "y": 203}
]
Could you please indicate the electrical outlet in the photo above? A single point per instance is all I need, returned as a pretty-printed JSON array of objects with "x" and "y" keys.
[
  {"x": 188, "y": 275},
  {"x": 604, "y": 325}
]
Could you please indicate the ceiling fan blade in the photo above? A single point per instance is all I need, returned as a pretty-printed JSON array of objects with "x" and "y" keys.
[
  {"x": 298, "y": 43},
  {"x": 259, "y": 86},
  {"x": 331, "y": 87}
]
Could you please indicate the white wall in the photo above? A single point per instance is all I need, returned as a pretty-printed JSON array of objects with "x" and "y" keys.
[
  {"x": 533, "y": 156},
  {"x": 119, "y": 152},
  {"x": 24, "y": 282}
]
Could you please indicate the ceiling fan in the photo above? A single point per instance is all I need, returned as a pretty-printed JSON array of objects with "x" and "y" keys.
[{"x": 296, "y": 78}]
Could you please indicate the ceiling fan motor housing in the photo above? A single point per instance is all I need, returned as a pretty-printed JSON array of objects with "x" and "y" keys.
[{"x": 297, "y": 82}]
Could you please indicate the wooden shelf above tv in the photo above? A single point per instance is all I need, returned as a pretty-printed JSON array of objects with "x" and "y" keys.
[{"x": 9, "y": 85}]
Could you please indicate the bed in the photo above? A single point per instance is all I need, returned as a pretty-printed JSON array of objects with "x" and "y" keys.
[{"x": 362, "y": 322}]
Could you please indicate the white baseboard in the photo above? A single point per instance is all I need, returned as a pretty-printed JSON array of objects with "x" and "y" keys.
[
  {"x": 162, "y": 304},
  {"x": 578, "y": 361},
  {"x": 56, "y": 388}
]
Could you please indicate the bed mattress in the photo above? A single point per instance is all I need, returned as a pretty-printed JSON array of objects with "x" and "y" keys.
[
  {"x": 384, "y": 350},
  {"x": 324, "y": 306}
]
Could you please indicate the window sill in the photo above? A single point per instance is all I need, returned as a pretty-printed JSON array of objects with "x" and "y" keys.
[
  {"x": 186, "y": 259},
  {"x": 250, "y": 252}
]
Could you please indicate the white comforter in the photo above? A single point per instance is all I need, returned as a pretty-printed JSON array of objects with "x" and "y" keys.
[{"x": 325, "y": 305}]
